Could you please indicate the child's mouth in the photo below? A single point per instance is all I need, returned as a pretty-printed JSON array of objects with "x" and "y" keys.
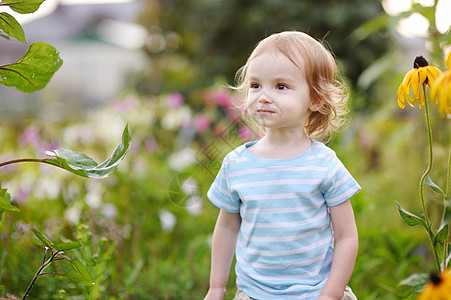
[{"x": 265, "y": 111}]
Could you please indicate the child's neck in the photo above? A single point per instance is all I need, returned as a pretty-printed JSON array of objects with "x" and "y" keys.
[{"x": 280, "y": 146}]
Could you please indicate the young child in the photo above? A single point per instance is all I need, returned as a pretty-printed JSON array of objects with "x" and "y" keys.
[{"x": 284, "y": 199}]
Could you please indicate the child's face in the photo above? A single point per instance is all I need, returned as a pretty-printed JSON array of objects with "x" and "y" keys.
[{"x": 278, "y": 97}]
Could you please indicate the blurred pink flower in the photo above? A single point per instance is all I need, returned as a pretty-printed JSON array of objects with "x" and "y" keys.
[
  {"x": 219, "y": 130},
  {"x": 30, "y": 137},
  {"x": 221, "y": 97},
  {"x": 233, "y": 115},
  {"x": 151, "y": 145},
  {"x": 175, "y": 99},
  {"x": 21, "y": 196},
  {"x": 134, "y": 148},
  {"x": 201, "y": 122},
  {"x": 245, "y": 133},
  {"x": 126, "y": 104}
]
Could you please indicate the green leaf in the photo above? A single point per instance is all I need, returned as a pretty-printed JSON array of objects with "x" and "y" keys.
[
  {"x": 426, "y": 11},
  {"x": 447, "y": 214},
  {"x": 370, "y": 27},
  {"x": 4, "y": 202},
  {"x": 416, "y": 281},
  {"x": 411, "y": 219},
  {"x": 45, "y": 240},
  {"x": 376, "y": 24},
  {"x": 442, "y": 234},
  {"x": 63, "y": 246},
  {"x": 2, "y": 261},
  {"x": 33, "y": 71},
  {"x": 433, "y": 186},
  {"x": 22, "y": 6},
  {"x": 38, "y": 242},
  {"x": 82, "y": 165},
  {"x": 80, "y": 273},
  {"x": 11, "y": 27}
]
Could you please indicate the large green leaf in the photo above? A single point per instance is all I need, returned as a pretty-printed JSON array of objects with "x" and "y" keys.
[
  {"x": 80, "y": 273},
  {"x": 45, "y": 240},
  {"x": 11, "y": 27},
  {"x": 82, "y": 165},
  {"x": 410, "y": 218},
  {"x": 4, "y": 202},
  {"x": 33, "y": 71},
  {"x": 22, "y": 6}
]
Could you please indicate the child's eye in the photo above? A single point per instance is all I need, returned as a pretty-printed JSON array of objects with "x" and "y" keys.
[
  {"x": 281, "y": 86},
  {"x": 254, "y": 85}
]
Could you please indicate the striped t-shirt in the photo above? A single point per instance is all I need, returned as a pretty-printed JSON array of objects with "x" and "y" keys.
[{"x": 285, "y": 244}]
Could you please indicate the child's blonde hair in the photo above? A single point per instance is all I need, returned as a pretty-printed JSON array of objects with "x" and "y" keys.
[{"x": 327, "y": 89}]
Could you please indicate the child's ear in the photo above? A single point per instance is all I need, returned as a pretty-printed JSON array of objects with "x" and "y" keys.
[{"x": 315, "y": 105}]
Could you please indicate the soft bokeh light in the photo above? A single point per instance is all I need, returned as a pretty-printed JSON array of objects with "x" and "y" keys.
[
  {"x": 49, "y": 6},
  {"x": 417, "y": 25}
]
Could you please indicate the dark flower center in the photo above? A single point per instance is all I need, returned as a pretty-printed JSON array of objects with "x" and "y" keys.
[
  {"x": 435, "y": 278},
  {"x": 420, "y": 61}
]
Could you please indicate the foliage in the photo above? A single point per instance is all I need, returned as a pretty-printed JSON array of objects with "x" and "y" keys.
[
  {"x": 79, "y": 164},
  {"x": 31, "y": 73},
  {"x": 417, "y": 86},
  {"x": 34, "y": 69},
  {"x": 56, "y": 252},
  {"x": 191, "y": 42},
  {"x": 438, "y": 236},
  {"x": 147, "y": 230}
]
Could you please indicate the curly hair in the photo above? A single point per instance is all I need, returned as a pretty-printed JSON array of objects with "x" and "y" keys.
[{"x": 328, "y": 90}]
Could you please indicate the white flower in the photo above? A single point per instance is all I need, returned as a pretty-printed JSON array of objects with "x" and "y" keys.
[
  {"x": 72, "y": 214},
  {"x": 47, "y": 187},
  {"x": 109, "y": 211},
  {"x": 167, "y": 220},
  {"x": 190, "y": 186},
  {"x": 94, "y": 194},
  {"x": 194, "y": 205},
  {"x": 182, "y": 159},
  {"x": 176, "y": 117}
]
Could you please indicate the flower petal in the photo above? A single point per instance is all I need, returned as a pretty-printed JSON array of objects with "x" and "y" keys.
[
  {"x": 448, "y": 60},
  {"x": 433, "y": 72}
]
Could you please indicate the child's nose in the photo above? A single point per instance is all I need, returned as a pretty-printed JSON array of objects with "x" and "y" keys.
[{"x": 264, "y": 100}]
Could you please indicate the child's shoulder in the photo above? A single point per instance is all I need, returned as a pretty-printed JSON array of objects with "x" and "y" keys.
[
  {"x": 321, "y": 148},
  {"x": 322, "y": 153},
  {"x": 236, "y": 154}
]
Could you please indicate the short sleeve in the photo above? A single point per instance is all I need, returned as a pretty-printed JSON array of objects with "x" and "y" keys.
[
  {"x": 219, "y": 193},
  {"x": 339, "y": 185}
]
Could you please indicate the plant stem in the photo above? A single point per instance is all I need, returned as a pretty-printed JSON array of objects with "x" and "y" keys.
[
  {"x": 425, "y": 174},
  {"x": 445, "y": 200},
  {"x": 448, "y": 178},
  {"x": 38, "y": 273},
  {"x": 33, "y": 281},
  {"x": 20, "y": 160}
]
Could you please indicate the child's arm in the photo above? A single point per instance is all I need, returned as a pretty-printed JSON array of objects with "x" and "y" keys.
[
  {"x": 345, "y": 253},
  {"x": 223, "y": 250}
]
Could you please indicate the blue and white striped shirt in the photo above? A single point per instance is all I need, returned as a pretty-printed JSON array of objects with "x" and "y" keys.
[{"x": 285, "y": 243}]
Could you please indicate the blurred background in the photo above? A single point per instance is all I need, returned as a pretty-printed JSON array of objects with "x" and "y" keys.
[{"x": 162, "y": 66}]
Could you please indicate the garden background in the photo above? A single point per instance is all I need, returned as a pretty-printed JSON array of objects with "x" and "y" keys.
[{"x": 162, "y": 68}]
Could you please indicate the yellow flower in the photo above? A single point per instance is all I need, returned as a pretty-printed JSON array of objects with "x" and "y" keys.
[
  {"x": 441, "y": 89},
  {"x": 439, "y": 287},
  {"x": 422, "y": 73}
]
